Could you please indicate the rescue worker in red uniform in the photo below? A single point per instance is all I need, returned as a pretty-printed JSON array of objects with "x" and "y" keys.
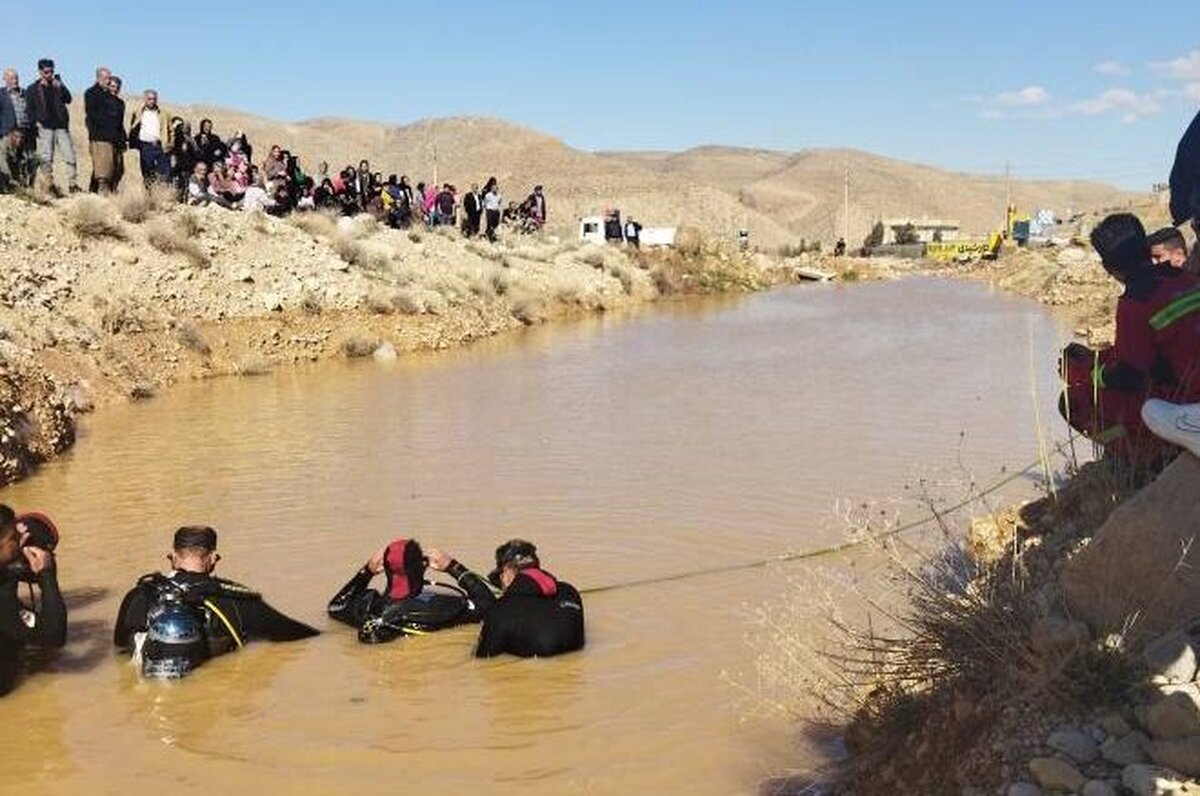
[{"x": 1156, "y": 353}]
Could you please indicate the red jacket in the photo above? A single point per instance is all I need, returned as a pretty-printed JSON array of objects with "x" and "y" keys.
[{"x": 1157, "y": 347}]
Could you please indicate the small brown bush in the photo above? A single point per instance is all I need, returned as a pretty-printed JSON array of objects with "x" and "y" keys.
[
  {"x": 408, "y": 302},
  {"x": 379, "y": 304},
  {"x": 190, "y": 336},
  {"x": 121, "y": 315},
  {"x": 529, "y": 310},
  {"x": 92, "y": 217},
  {"x": 319, "y": 224},
  {"x": 414, "y": 236},
  {"x": 359, "y": 346},
  {"x": 176, "y": 237},
  {"x": 134, "y": 203},
  {"x": 252, "y": 366},
  {"x": 311, "y": 304}
]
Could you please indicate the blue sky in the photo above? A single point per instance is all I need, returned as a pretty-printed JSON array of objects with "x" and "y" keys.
[{"x": 1058, "y": 90}]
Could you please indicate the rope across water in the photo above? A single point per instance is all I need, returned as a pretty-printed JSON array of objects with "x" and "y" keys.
[{"x": 808, "y": 555}]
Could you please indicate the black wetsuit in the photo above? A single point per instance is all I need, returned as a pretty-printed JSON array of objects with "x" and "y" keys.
[
  {"x": 248, "y": 613},
  {"x": 537, "y": 615},
  {"x": 380, "y": 619},
  {"x": 49, "y": 622}
]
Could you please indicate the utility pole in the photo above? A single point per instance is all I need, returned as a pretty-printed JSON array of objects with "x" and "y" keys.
[
  {"x": 1007, "y": 198},
  {"x": 846, "y": 205}
]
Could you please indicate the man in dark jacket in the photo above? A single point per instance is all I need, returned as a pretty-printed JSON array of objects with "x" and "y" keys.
[
  {"x": 473, "y": 210},
  {"x": 25, "y": 556},
  {"x": 535, "y": 615},
  {"x": 174, "y": 622},
  {"x": 103, "y": 139},
  {"x": 48, "y": 98},
  {"x": 1185, "y": 187},
  {"x": 408, "y": 605}
]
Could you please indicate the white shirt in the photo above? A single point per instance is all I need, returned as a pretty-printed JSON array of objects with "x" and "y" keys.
[
  {"x": 256, "y": 198},
  {"x": 150, "y": 130},
  {"x": 492, "y": 200}
]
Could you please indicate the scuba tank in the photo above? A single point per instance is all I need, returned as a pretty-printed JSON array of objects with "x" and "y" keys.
[
  {"x": 176, "y": 641},
  {"x": 184, "y": 627}
]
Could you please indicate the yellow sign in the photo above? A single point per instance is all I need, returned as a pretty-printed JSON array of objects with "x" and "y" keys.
[{"x": 955, "y": 249}]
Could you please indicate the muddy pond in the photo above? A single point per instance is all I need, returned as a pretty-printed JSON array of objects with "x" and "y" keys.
[{"x": 678, "y": 438}]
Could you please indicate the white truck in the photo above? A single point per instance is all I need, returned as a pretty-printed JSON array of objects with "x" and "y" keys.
[{"x": 608, "y": 228}]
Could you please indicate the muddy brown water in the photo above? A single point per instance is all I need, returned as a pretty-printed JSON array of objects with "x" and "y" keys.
[{"x": 626, "y": 447}]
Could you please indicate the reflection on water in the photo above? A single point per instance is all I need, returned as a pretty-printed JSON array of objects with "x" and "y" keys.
[{"x": 671, "y": 440}]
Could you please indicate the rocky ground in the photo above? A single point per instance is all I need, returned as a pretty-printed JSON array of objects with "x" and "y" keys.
[{"x": 111, "y": 299}]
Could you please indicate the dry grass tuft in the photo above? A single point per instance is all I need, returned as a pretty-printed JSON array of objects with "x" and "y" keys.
[
  {"x": 177, "y": 236},
  {"x": 319, "y": 224},
  {"x": 135, "y": 203},
  {"x": 310, "y": 304},
  {"x": 357, "y": 253},
  {"x": 414, "y": 236},
  {"x": 121, "y": 315},
  {"x": 408, "y": 302},
  {"x": 380, "y": 305},
  {"x": 190, "y": 336},
  {"x": 623, "y": 274},
  {"x": 93, "y": 217},
  {"x": 359, "y": 346},
  {"x": 529, "y": 310},
  {"x": 252, "y": 366}
]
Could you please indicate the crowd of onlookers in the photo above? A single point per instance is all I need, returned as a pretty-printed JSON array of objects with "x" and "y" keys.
[{"x": 203, "y": 168}]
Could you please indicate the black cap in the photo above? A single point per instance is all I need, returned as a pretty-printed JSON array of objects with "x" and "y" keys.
[
  {"x": 201, "y": 536},
  {"x": 513, "y": 553}
]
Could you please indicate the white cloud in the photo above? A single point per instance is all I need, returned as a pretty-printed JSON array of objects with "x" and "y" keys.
[
  {"x": 1023, "y": 98},
  {"x": 1130, "y": 104},
  {"x": 1185, "y": 70},
  {"x": 1111, "y": 68}
]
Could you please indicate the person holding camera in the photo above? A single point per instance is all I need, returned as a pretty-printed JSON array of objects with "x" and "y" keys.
[
  {"x": 536, "y": 614},
  {"x": 48, "y": 98},
  {"x": 27, "y": 543},
  {"x": 408, "y": 604}
]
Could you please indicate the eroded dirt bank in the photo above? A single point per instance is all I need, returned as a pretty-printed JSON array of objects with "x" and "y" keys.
[{"x": 112, "y": 299}]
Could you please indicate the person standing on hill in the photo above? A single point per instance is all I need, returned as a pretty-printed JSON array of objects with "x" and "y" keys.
[
  {"x": 115, "y": 112},
  {"x": 472, "y": 211},
  {"x": 493, "y": 203},
  {"x": 47, "y": 100},
  {"x": 104, "y": 138},
  {"x": 537, "y": 207},
  {"x": 152, "y": 134}
]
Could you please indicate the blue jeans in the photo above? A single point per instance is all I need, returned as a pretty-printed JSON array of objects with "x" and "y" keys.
[{"x": 155, "y": 163}]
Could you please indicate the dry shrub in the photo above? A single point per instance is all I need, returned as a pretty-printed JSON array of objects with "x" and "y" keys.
[
  {"x": 92, "y": 217},
  {"x": 414, "y": 236},
  {"x": 486, "y": 251},
  {"x": 593, "y": 257},
  {"x": 357, "y": 253},
  {"x": 310, "y": 304},
  {"x": 176, "y": 236},
  {"x": 121, "y": 315},
  {"x": 190, "y": 336},
  {"x": 133, "y": 202},
  {"x": 436, "y": 303},
  {"x": 379, "y": 305},
  {"x": 408, "y": 302},
  {"x": 319, "y": 223},
  {"x": 501, "y": 282},
  {"x": 623, "y": 274},
  {"x": 359, "y": 346},
  {"x": 252, "y": 366},
  {"x": 529, "y": 309},
  {"x": 689, "y": 241}
]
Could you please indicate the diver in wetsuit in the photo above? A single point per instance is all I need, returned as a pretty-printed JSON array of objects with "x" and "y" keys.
[
  {"x": 408, "y": 605},
  {"x": 174, "y": 622},
  {"x": 26, "y": 556},
  {"x": 535, "y": 615}
]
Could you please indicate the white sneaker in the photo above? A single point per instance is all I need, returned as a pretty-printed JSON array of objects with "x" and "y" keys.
[{"x": 1178, "y": 424}]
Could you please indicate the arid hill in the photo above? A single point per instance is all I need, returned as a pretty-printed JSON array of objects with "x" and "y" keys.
[{"x": 779, "y": 197}]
